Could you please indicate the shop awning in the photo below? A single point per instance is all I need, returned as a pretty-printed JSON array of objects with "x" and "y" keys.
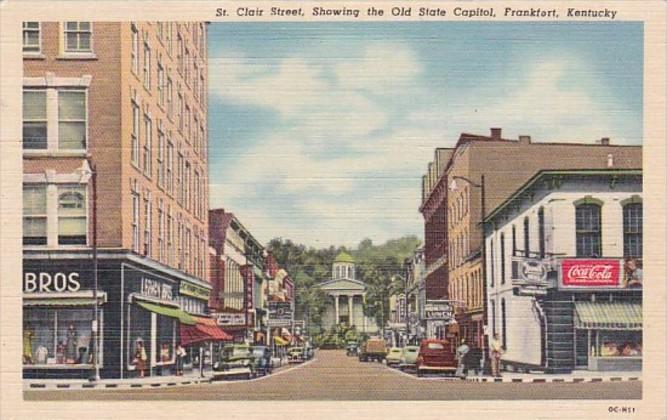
[
  {"x": 58, "y": 302},
  {"x": 182, "y": 316},
  {"x": 280, "y": 341},
  {"x": 205, "y": 329},
  {"x": 63, "y": 299},
  {"x": 608, "y": 316}
]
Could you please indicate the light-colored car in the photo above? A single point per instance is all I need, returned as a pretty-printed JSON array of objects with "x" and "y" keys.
[
  {"x": 394, "y": 356},
  {"x": 409, "y": 357},
  {"x": 235, "y": 360},
  {"x": 295, "y": 355}
]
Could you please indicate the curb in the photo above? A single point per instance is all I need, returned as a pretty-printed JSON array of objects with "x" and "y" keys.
[
  {"x": 555, "y": 379},
  {"x": 41, "y": 386}
]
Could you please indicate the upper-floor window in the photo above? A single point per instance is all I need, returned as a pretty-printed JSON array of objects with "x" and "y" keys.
[
  {"x": 632, "y": 230},
  {"x": 71, "y": 215},
  {"x": 170, "y": 98},
  {"x": 148, "y": 146},
  {"x": 161, "y": 82},
  {"x": 78, "y": 36},
  {"x": 34, "y": 214},
  {"x": 147, "y": 65},
  {"x": 526, "y": 237},
  {"x": 135, "y": 50},
  {"x": 514, "y": 241},
  {"x": 502, "y": 258},
  {"x": 588, "y": 230},
  {"x": 492, "y": 265},
  {"x": 70, "y": 131},
  {"x": 179, "y": 53},
  {"x": 136, "y": 206},
  {"x": 135, "y": 133},
  {"x": 31, "y": 37}
]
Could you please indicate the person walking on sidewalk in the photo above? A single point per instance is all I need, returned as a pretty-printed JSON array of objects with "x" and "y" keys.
[
  {"x": 180, "y": 358},
  {"x": 461, "y": 353},
  {"x": 140, "y": 358},
  {"x": 496, "y": 353}
]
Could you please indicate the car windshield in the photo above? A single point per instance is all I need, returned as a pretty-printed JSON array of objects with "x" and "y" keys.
[
  {"x": 236, "y": 351},
  {"x": 435, "y": 346},
  {"x": 395, "y": 350},
  {"x": 411, "y": 349},
  {"x": 258, "y": 352}
]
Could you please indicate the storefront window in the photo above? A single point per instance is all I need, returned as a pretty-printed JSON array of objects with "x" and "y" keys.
[
  {"x": 57, "y": 336},
  {"x": 139, "y": 332},
  {"x": 616, "y": 343},
  {"x": 165, "y": 339}
]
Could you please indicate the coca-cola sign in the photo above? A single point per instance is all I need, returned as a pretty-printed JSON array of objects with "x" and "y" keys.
[{"x": 590, "y": 273}]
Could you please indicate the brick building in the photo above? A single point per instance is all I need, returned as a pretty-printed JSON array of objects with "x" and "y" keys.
[
  {"x": 127, "y": 101},
  {"x": 452, "y": 206}
]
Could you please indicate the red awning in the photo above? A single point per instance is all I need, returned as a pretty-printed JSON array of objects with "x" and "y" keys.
[{"x": 204, "y": 330}]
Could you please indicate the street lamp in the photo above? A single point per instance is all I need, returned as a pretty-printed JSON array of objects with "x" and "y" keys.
[
  {"x": 453, "y": 187},
  {"x": 89, "y": 171}
]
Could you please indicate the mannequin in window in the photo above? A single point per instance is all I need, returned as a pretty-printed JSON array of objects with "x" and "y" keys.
[
  {"x": 70, "y": 345},
  {"x": 27, "y": 347}
]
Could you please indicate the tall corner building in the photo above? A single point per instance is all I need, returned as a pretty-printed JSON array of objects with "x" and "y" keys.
[{"x": 114, "y": 147}]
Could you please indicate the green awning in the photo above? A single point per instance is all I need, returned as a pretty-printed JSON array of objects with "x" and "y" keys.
[
  {"x": 170, "y": 312},
  {"x": 608, "y": 316}
]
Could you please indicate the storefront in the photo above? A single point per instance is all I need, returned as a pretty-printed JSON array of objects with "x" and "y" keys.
[{"x": 141, "y": 309}]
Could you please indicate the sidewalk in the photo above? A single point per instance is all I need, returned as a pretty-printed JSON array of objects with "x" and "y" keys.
[
  {"x": 188, "y": 378},
  {"x": 575, "y": 376}
]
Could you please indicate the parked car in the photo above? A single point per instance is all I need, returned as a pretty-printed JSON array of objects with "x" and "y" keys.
[
  {"x": 295, "y": 355},
  {"x": 235, "y": 360},
  {"x": 394, "y": 356},
  {"x": 352, "y": 348},
  {"x": 409, "y": 357},
  {"x": 436, "y": 356},
  {"x": 373, "y": 349},
  {"x": 263, "y": 362}
]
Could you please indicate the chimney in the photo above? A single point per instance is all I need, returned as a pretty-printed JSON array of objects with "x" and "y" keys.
[
  {"x": 495, "y": 133},
  {"x": 524, "y": 139},
  {"x": 604, "y": 141}
]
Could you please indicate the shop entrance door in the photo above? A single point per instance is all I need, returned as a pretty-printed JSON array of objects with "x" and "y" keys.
[{"x": 581, "y": 349}]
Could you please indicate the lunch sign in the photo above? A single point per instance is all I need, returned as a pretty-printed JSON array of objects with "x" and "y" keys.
[{"x": 577, "y": 273}]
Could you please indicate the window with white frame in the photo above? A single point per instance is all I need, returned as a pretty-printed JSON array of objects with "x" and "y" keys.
[
  {"x": 170, "y": 167},
  {"x": 179, "y": 241},
  {"x": 34, "y": 214},
  {"x": 160, "y": 30},
  {"x": 147, "y": 223},
  {"x": 170, "y": 98},
  {"x": 186, "y": 131},
  {"x": 168, "y": 37},
  {"x": 195, "y": 133},
  {"x": 160, "y": 155},
  {"x": 160, "y": 230},
  {"x": 160, "y": 82},
  {"x": 195, "y": 81},
  {"x": 187, "y": 66},
  {"x": 147, "y": 65},
  {"x": 78, "y": 36},
  {"x": 31, "y": 37},
  {"x": 170, "y": 237},
  {"x": 187, "y": 194},
  {"x": 179, "y": 53},
  {"x": 633, "y": 230},
  {"x": 148, "y": 145},
  {"x": 135, "y": 49},
  {"x": 180, "y": 112},
  {"x": 72, "y": 119},
  {"x": 136, "y": 205},
  {"x": 203, "y": 143},
  {"x": 202, "y": 90},
  {"x": 35, "y": 119},
  {"x": 72, "y": 212}
]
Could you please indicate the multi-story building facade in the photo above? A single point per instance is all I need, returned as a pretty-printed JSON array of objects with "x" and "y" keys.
[
  {"x": 564, "y": 279},
  {"x": 482, "y": 171},
  {"x": 416, "y": 292},
  {"x": 117, "y": 111}
]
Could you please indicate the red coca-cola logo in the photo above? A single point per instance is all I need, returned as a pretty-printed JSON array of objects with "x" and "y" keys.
[{"x": 591, "y": 273}]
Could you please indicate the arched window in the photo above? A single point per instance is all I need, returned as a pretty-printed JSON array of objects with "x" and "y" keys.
[
  {"x": 632, "y": 230},
  {"x": 588, "y": 228},
  {"x": 71, "y": 216}
]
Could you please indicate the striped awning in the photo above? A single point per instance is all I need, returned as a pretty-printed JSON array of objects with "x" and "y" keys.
[{"x": 608, "y": 316}]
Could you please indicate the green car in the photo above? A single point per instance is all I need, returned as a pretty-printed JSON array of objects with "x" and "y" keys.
[
  {"x": 235, "y": 360},
  {"x": 409, "y": 357}
]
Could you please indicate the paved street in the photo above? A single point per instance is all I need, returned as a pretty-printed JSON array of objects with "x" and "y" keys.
[{"x": 334, "y": 376}]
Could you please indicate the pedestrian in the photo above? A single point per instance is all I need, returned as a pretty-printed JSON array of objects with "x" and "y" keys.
[
  {"x": 461, "y": 352},
  {"x": 140, "y": 358},
  {"x": 496, "y": 353},
  {"x": 180, "y": 358}
]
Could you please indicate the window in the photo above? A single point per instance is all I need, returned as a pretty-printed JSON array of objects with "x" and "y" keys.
[
  {"x": 148, "y": 145},
  {"x": 187, "y": 197},
  {"x": 135, "y": 50},
  {"x": 541, "y": 233},
  {"x": 170, "y": 237},
  {"x": 526, "y": 237},
  {"x": 180, "y": 112},
  {"x": 147, "y": 65},
  {"x": 31, "y": 37},
  {"x": 170, "y": 98},
  {"x": 514, "y": 241},
  {"x": 168, "y": 37},
  {"x": 202, "y": 90},
  {"x": 186, "y": 65},
  {"x": 160, "y": 156},
  {"x": 588, "y": 232},
  {"x": 160, "y": 230},
  {"x": 632, "y": 230},
  {"x": 502, "y": 258},
  {"x": 71, "y": 215},
  {"x": 34, "y": 119},
  {"x": 78, "y": 37},
  {"x": 170, "y": 167},
  {"x": 147, "y": 223},
  {"x": 503, "y": 314},
  {"x": 179, "y": 179},
  {"x": 186, "y": 133},
  {"x": 160, "y": 30},
  {"x": 135, "y": 221},
  {"x": 493, "y": 316},
  {"x": 72, "y": 120},
  {"x": 34, "y": 215},
  {"x": 160, "y": 82},
  {"x": 135, "y": 133},
  {"x": 195, "y": 81},
  {"x": 179, "y": 53},
  {"x": 202, "y": 141},
  {"x": 491, "y": 271}
]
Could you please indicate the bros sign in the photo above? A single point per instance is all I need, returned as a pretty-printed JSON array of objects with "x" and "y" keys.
[
  {"x": 590, "y": 273},
  {"x": 41, "y": 282}
]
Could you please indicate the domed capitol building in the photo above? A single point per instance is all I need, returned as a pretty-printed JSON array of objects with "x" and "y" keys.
[{"x": 345, "y": 297}]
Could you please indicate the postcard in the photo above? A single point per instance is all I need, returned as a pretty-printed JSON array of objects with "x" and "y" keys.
[{"x": 389, "y": 209}]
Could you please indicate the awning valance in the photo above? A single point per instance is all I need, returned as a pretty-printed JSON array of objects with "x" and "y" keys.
[
  {"x": 205, "y": 329},
  {"x": 280, "y": 341},
  {"x": 608, "y": 316},
  {"x": 182, "y": 316},
  {"x": 63, "y": 299}
]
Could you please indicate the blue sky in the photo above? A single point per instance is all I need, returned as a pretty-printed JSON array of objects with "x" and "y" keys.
[{"x": 320, "y": 132}]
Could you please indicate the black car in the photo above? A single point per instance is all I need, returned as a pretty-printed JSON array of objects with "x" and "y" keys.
[{"x": 263, "y": 362}]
